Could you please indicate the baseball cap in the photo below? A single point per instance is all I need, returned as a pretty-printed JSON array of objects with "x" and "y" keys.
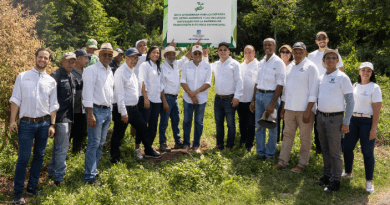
[
  {"x": 269, "y": 122},
  {"x": 69, "y": 55},
  {"x": 366, "y": 64},
  {"x": 299, "y": 45},
  {"x": 142, "y": 40},
  {"x": 92, "y": 43},
  {"x": 81, "y": 52},
  {"x": 328, "y": 50},
  {"x": 132, "y": 51},
  {"x": 118, "y": 50},
  {"x": 197, "y": 48},
  {"x": 321, "y": 33},
  {"x": 223, "y": 44}
]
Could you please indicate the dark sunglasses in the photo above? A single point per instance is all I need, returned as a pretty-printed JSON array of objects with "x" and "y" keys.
[
  {"x": 321, "y": 39},
  {"x": 285, "y": 52},
  {"x": 333, "y": 58},
  {"x": 223, "y": 49},
  {"x": 107, "y": 55},
  {"x": 197, "y": 54}
]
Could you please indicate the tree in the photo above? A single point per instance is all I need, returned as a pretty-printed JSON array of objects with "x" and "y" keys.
[{"x": 17, "y": 54}]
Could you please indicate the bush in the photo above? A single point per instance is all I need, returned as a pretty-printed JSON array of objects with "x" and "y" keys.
[{"x": 17, "y": 54}]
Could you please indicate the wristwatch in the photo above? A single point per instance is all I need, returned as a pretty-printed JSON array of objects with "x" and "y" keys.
[{"x": 54, "y": 125}]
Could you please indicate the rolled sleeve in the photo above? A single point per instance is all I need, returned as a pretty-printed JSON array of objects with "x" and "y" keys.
[
  {"x": 314, "y": 82},
  {"x": 88, "y": 87},
  {"x": 281, "y": 73},
  {"x": 208, "y": 76},
  {"x": 53, "y": 106},
  {"x": 239, "y": 84},
  {"x": 17, "y": 92}
]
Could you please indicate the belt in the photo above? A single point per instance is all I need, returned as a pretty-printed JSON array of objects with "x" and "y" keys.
[
  {"x": 171, "y": 95},
  {"x": 330, "y": 114},
  {"x": 225, "y": 96},
  {"x": 38, "y": 119},
  {"x": 134, "y": 106},
  {"x": 100, "y": 106},
  {"x": 266, "y": 91},
  {"x": 355, "y": 114}
]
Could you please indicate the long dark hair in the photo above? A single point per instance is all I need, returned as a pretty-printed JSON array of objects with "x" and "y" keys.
[
  {"x": 372, "y": 78},
  {"x": 158, "y": 62}
]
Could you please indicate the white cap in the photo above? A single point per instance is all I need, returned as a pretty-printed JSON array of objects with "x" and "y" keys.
[
  {"x": 142, "y": 40},
  {"x": 366, "y": 64},
  {"x": 197, "y": 48},
  {"x": 69, "y": 55}
]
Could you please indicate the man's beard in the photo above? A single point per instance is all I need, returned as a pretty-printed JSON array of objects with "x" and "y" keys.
[
  {"x": 324, "y": 46},
  {"x": 39, "y": 67},
  {"x": 169, "y": 61}
]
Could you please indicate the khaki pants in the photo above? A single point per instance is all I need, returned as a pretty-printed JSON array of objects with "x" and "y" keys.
[{"x": 293, "y": 120}]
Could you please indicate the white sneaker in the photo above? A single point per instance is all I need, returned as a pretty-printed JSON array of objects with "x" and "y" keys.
[
  {"x": 347, "y": 176},
  {"x": 139, "y": 154},
  {"x": 156, "y": 150},
  {"x": 369, "y": 187}
]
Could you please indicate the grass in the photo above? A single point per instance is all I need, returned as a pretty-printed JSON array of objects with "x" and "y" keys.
[{"x": 216, "y": 177}]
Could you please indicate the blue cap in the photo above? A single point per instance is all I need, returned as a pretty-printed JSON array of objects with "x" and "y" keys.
[
  {"x": 81, "y": 52},
  {"x": 132, "y": 51},
  {"x": 223, "y": 44}
]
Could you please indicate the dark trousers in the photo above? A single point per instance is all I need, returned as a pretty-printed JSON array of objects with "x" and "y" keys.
[
  {"x": 359, "y": 129},
  {"x": 316, "y": 136},
  {"x": 247, "y": 124},
  {"x": 78, "y": 132},
  {"x": 280, "y": 133},
  {"x": 151, "y": 117},
  {"x": 223, "y": 108},
  {"x": 136, "y": 120}
]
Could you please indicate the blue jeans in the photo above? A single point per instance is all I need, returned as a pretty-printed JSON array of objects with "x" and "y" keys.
[
  {"x": 223, "y": 108},
  {"x": 262, "y": 101},
  {"x": 96, "y": 139},
  {"x": 359, "y": 129},
  {"x": 28, "y": 131},
  {"x": 187, "y": 123},
  {"x": 57, "y": 165},
  {"x": 151, "y": 117},
  {"x": 175, "y": 119},
  {"x": 247, "y": 124}
]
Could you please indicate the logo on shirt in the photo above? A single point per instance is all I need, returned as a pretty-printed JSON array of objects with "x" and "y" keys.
[
  {"x": 365, "y": 93},
  {"x": 332, "y": 80},
  {"x": 274, "y": 68},
  {"x": 64, "y": 80},
  {"x": 302, "y": 70}
]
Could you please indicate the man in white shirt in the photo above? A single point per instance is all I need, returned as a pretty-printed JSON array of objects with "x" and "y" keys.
[
  {"x": 268, "y": 87},
  {"x": 228, "y": 89},
  {"x": 334, "y": 90},
  {"x": 246, "y": 117},
  {"x": 125, "y": 109},
  {"x": 322, "y": 41},
  {"x": 170, "y": 69},
  {"x": 97, "y": 99},
  {"x": 35, "y": 97},
  {"x": 196, "y": 81},
  {"x": 298, "y": 102}
]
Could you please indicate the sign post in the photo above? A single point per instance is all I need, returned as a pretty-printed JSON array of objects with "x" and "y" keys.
[{"x": 214, "y": 21}]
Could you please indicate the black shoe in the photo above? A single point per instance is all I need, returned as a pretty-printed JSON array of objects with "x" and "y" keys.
[
  {"x": 94, "y": 182},
  {"x": 18, "y": 199},
  {"x": 332, "y": 187},
  {"x": 57, "y": 183},
  {"x": 164, "y": 148},
  {"x": 34, "y": 191},
  {"x": 97, "y": 176},
  {"x": 323, "y": 181},
  {"x": 179, "y": 145},
  {"x": 50, "y": 177},
  {"x": 260, "y": 157},
  {"x": 249, "y": 149},
  {"x": 153, "y": 154}
]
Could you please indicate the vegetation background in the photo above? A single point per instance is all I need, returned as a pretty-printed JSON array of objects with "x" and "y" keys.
[{"x": 359, "y": 29}]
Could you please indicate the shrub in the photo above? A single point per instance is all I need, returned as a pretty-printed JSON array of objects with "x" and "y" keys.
[{"x": 19, "y": 43}]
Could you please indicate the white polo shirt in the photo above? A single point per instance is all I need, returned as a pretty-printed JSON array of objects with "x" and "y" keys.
[
  {"x": 302, "y": 83},
  {"x": 228, "y": 78},
  {"x": 364, "y": 96},
  {"x": 141, "y": 59},
  {"x": 35, "y": 93},
  {"x": 316, "y": 58},
  {"x": 249, "y": 75},
  {"x": 170, "y": 76},
  {"x": 195, "y": 77},
  {"x": 152, "y": 78},
  {"x": 126, "y": 88},
  {"x": 271, "y": 73},
  {"x": 331, "y": 92},
  {"x": 98, "y": 86}
]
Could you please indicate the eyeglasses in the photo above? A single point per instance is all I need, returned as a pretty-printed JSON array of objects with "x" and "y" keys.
[
  {"x": 285, "y": 52},
  {"x": 223, "y": 49},
  {"x": 107, "y": 55},
  {"x": 197, "y": 54},
  {"x": 333, "y": 58},
  {"x": 321, "y": 39}
]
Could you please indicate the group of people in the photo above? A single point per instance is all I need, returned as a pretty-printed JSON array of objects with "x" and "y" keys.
[{"x": 79, "y": 98}]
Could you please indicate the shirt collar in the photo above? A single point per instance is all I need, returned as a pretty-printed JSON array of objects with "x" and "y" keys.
[
  {"x": 302, "y": 62},
  {"x": 99, "y": 64},
  {"x": 251, "y": 63},
  {"x": 270, "y": 59},
  {"x": 334, "y": 73},
  {"x": 36, "y": 71},
  {"x": 167, "y": 64},
  {"x": 227, "y": 60}
]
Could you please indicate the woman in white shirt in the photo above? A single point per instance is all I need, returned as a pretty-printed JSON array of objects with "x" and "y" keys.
[
  {"x": 364, "y": 123},
  {"x": 150, "y": 103}
]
